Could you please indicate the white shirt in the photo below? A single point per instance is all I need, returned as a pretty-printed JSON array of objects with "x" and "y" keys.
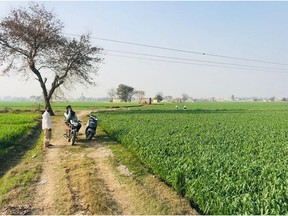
[{"x": 46, "y": 121}]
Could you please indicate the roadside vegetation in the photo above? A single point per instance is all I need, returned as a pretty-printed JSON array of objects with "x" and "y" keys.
[
  {"x": 6, "y": 106},
  {"x": 17, "y": 136},
  {"x": 20, "y": 170},
  {"x": 227, "y": 158}
]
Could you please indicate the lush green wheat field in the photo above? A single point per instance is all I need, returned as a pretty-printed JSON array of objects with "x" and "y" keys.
[
  {"x": 14, "y": 126},
  {"x": 226, "y": 158},
  {"x": 60, "y": 106}
]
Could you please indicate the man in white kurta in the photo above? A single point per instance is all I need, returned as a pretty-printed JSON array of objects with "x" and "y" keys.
[{"x": 47, "y": 127}]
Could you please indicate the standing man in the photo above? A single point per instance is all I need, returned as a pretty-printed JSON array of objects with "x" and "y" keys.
[{"x": 47, "y": 127}]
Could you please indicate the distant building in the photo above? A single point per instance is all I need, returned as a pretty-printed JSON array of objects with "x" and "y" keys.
[
  {"x": 155, "y": 101},
  {"x": 116, "y": 100}
]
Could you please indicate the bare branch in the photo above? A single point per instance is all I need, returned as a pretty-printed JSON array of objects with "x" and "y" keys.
[{"x": 31, "y": 39}]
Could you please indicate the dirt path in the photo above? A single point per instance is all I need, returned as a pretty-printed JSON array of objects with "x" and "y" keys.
[
  {"x": 84, "y": 179},
  {"x": 44, "y": 202}
]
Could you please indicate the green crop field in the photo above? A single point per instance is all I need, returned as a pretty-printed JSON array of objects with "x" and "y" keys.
[
  {"x": 14, "y": 126},
  {"x": 226, "y": 158},
  {"x": 60, "y": 106}
]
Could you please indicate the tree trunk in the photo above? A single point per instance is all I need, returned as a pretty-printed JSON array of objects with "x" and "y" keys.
[
  {"x": 43, "y": 86},
  {"x": 47, "y": 104}
]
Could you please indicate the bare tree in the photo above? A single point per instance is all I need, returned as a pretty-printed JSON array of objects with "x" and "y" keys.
[
  {"x": 140, "y": 94},
  {"x": 31, "y": 44},
  {"x": 111, "y": 93}
]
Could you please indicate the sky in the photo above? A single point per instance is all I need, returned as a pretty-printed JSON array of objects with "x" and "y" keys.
[{"x": 211, "y": 48}]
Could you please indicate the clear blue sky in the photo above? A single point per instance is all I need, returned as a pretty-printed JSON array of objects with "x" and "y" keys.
[{"x": 250, "y": 30}]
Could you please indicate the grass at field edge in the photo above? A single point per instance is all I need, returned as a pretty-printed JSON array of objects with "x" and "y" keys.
[{"x": 16, "y": 180}]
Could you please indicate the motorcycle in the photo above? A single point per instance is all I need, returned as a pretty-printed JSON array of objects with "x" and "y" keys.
[
  {"x": 91, "y": 127},
  {"x": 72, "y": 131}
]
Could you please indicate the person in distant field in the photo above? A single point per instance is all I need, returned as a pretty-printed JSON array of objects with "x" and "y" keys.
[
  {"x": 47, "y": 127},
  {"x": 176, "y": 107},
  {"x": 71, "y": 116},
  {"x": 185, "y": 108}
]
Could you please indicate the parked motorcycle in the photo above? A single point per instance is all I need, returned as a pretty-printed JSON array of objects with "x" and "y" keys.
[
  {"x": 72, "y": 131},
  {"x": 91, "y": 127}
]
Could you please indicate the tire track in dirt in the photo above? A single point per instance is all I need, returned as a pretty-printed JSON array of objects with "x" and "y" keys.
[
  {"x": 56, "y": 178},
  {"x": 134, "y": 197},
  {"x": 122, "y": 194},
  {"x": 119, "y": 191}
]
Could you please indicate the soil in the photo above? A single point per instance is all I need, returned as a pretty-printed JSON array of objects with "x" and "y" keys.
[{"x": 60, "y": 190}]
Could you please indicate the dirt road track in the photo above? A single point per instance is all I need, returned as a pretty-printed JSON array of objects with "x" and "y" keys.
[{"x": 59, "y": 191}]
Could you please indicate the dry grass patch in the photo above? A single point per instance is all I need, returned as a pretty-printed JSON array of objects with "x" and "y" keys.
[{"x": 83, "y": 191}]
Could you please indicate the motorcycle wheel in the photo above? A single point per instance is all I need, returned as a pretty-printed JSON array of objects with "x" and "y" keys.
[
  {"x": 73, "y": 138},
  {"x": 89, "y": 136},
  {"x": 68, "y": 136}
]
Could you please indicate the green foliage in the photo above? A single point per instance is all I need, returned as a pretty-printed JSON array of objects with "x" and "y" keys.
[
  {"x": 20, "y": 155},
  {"x": 14, "y": 126},
  {"x": 158, "y": 97},
  {"x": 23, "y": 175},
  {"x": 125, "y": 92},
  {"x": 226, "y": 158}
]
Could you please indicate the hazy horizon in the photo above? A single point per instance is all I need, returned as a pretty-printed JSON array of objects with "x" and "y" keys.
[{"x": 211, "y": 49}]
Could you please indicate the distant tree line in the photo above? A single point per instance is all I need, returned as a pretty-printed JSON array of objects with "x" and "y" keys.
[{"x": 125, "y": 93}]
